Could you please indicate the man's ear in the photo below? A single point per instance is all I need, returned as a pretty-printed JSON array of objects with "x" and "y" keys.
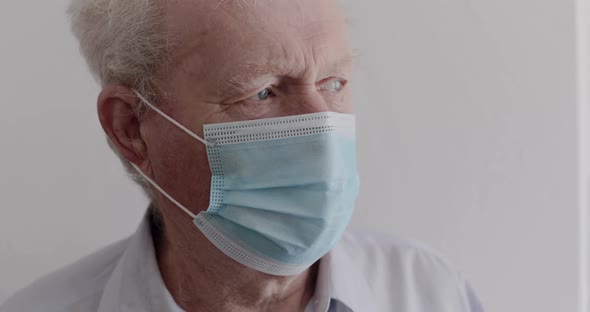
[{"x": 116, "y": 111}]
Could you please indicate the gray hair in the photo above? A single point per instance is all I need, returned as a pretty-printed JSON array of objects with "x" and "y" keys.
[{"x": 123, "y": 43}]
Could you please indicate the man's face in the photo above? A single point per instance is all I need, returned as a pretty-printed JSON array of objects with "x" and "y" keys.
[{"x": 242, "y": 60}]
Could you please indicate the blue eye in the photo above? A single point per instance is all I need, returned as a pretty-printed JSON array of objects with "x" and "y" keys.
[
  {"x": 262, "y": 95},
  {"x": 334, "y": 85}
]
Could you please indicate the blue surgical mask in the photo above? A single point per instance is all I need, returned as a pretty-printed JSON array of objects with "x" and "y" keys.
[{"x": 282, "y": 190}]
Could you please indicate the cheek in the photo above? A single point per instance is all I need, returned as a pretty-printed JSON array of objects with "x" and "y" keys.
[
  {"x": 339, "y": 102},
  {"x": 250, "y": 111},
  {"x": 180, "y": 166},
  {"x": 348, "y": 106}
]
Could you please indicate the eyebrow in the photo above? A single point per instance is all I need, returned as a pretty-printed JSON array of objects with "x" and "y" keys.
[
  {"x": 250, "y": 74},
  {"x": 339, "y": 65}
]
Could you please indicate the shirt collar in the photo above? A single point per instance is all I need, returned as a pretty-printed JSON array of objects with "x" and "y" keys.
[
  {"x": 137, "y": 285},
  {"x": 341, "y": 279}
]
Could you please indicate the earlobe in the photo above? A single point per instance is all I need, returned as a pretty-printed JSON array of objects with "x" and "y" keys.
[{"x": 116, "y": 111}]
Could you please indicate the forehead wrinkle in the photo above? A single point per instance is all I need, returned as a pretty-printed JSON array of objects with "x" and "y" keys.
[
  {"x": 238, "y": 3},
  {"x": 253, "y": 73},
  {"x": 330, "y": 63},
  {"x": 244, "y": 75}
]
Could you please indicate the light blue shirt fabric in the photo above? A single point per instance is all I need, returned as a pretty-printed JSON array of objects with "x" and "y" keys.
[{"x": 363, "y": 273}]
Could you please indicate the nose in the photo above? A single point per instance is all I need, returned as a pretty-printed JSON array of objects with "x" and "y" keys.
[{"x": 307, "y": 103}]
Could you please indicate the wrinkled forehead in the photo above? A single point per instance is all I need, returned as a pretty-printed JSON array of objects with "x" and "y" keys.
[{"x": 225, "y": 31}]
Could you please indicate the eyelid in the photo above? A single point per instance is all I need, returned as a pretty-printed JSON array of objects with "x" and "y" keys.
[
  {"x": 242, "y": 89},
  {"x": 253, "y": 100},
  {"x": 247, "y": 95},
  {"x": 270, "y": 88},
  {"x": 324, "y": 82}
]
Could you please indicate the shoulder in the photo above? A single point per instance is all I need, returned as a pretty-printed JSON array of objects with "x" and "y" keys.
[
  {"x": 391, "y": 250},
  {"x": 76, "y": 287},
  {"x": 408, "y": 272},
  {"x": 396, "y": 257}
]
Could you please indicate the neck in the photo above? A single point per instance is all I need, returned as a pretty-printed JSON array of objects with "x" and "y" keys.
[{"x": 201, "y": 278}]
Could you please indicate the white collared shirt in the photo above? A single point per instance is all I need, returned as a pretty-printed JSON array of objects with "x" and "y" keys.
[{"x": 363, "y": 273}]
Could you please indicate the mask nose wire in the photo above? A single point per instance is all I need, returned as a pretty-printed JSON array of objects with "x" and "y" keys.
[{"x": 170, "y": 119}]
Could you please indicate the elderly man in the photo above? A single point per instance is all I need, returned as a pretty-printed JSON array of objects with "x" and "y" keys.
[{"x": 236, "y": 118}]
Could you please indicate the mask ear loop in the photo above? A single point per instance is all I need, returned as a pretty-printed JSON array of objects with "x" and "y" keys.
[
  {"x": 154, "y": 184},
  {"x": 170, "y": 119},
  {"x": 183, "y": 128}
]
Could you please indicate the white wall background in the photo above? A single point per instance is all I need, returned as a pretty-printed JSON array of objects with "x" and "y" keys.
[{"x": 467, "y": 142}]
